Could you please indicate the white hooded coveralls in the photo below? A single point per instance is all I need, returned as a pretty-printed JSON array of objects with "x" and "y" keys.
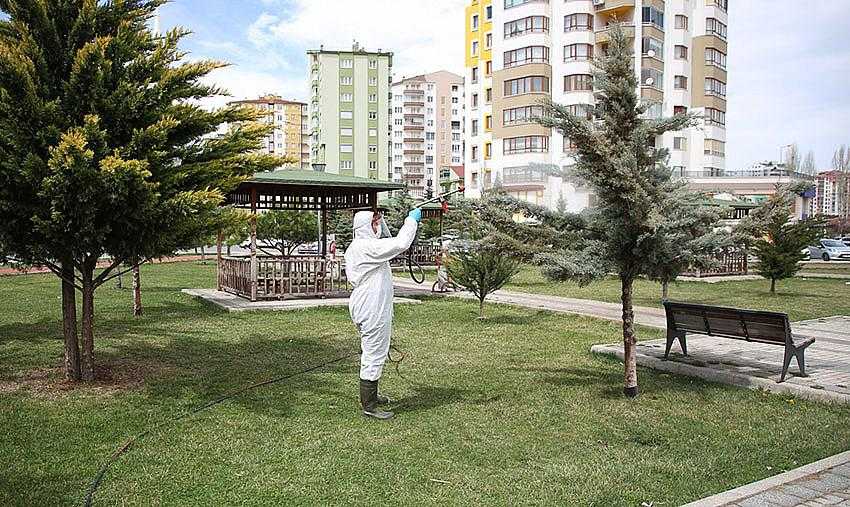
[{"x": 367, "y": 266}]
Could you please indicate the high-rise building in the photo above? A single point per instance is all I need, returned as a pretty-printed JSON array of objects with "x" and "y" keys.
[
  {"x": 427, "y": 131},
  {"x": 832, "y": 193},
  {"x": 519, "y": 52},
  {"x": 350, "y": 111},
  {"x": 290, "y": 137}
]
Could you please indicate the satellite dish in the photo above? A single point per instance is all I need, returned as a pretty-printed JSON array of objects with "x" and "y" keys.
[
  {"x": 649, "y": 81},
  {"x": 651, "y": 53}
]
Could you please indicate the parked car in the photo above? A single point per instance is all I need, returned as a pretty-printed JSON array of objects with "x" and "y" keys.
[
  {"x": 829, "y": 250},
  {"x": 845, "y": 240}
]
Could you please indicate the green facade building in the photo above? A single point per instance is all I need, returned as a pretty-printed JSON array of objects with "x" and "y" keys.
[{"x": 350, "y": 111}]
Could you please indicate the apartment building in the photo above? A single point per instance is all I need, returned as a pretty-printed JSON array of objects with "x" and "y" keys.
[
  {"x": 350, "y": 111},
  {"x": 290, "y": 137},
  {"x": 519, "y": 52},
  {"x": 832, "y": 194},
  {"x": 427, "y": 131}
]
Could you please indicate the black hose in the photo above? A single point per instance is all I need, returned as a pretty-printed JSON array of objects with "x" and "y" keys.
[{"x": 129, "y": 443}]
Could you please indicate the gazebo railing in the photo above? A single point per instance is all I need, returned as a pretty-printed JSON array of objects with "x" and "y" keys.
[
  {"x": 284, "y": 277},
  {"x": 424, "y": 254},
  {"x": 728, "y": 263}
]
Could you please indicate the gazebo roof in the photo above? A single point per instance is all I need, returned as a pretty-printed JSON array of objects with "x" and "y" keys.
[{"x": 297, "y": 189}]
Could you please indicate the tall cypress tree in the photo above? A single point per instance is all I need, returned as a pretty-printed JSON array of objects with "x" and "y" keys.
[
  {"x": 104, "y": 150},
  {"x": 617, "y": 159}
]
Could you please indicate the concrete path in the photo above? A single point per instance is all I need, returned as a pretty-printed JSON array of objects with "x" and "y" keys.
[
  {"x": 653, "y": 317},
  {"x": 824, "y": 482}
]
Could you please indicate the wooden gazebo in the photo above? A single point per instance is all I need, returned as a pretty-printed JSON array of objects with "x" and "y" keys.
[{"x": 263, "y": 278}]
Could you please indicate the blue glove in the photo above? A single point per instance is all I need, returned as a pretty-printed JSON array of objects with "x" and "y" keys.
[{"x": 416, "y": 214}]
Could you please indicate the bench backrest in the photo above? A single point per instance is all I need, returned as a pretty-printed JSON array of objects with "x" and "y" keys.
[{"x": 751, "y": 325}]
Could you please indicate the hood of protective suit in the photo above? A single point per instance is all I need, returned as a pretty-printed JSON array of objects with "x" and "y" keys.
[{"x": 363, "y": 225}]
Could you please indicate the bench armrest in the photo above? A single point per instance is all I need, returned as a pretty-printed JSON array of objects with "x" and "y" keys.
[{"x": 802, "y": 341}]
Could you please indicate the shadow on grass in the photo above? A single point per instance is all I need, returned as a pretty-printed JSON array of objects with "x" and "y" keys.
[{"x": 431, "y": 397}]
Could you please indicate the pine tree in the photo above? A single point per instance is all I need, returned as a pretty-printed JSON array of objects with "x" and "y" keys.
[
  {"x": 616, "y": 158},
  {"x": 481, "y": 268},
  {"x": 104, "y": 150}
]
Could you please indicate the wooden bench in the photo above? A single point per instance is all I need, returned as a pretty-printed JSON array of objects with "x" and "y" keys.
[{"x": 750, "y": 325}]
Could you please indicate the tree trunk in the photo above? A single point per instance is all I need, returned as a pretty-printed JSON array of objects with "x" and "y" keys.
[
  {"x": 137, "y": 292},
  {"x": 228, "y": 250},
  {"x": 665, "y": 290},
  {"x": 119, "y": 281},
  {"x": 203, "y": 254},
  {"x": 629, "y": 339},
  {"x": 69, "y": 323},
  {"x": 88, "y": 321},
  {"x": 481, "y": 308},
  {"x": 773, "y": 285}
]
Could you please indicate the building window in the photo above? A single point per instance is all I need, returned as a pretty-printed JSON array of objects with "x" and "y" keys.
[
  {"x": 346, "y": 80},
  {"x": 681, "y": 22},
  {"x": 653, "y": 78},
  {"x": 373, "y": 164},
  {"x": 488, "y": 12},
  {"x": 488, "y": 67},
  {"x": 475, "y": 21},
  {"x": 723, "y": 5},
  {"x": 373, "y": 115},
  {"x": 373, "y": 148},
  {"x": 488, "y": 40},
  {"x": 680, "y": 143},
  {"x": 680, "y": 82},
  {"x": 346, "y": 115},
  {"x": 523, "y": 85},
  {"x": 475, "y": 48},
  {"x": 680, "y": 110},
  {"x": 373, "y": 64},
  {"x": 576, "y": 52},
  {"x": 578, "y": 22},
  {"x": 488, "y": 122},
  {"x": 474, "y": 127},
  {"x": 653, "y": 47},
  {"x": 715, "y": 148},
  {"x": 526, "y": 144},
  {"x": 715, "y": 87},
  {"x": 531, "y": 24},
  {"x": 515, "y": 3},
  {"x": 373, "y": 97},
  {"x": 488, "y": 150},
  {"x": 530, "y": 54},
  {"x": 680, "y": 52},
  {"x": 373, "y": 132},
  {"x": 346, "y": 97},
  {"x": 346, "y": 148},
  {"x": 581, "y": 110},
  {"x": 653, "y": 16},
  {"x": 569, "y": 146},
  {"x": 578, "y": 83},
  {"x": 346, "y": 132},
  {"x": 715, "y": 27},
  {"x": 474, "y": 100},
  {"x": 373, "y": 81},
  {"x": 346, "y": 164},
  {"x": 474, "y": 75},
  {"x": 521, "y": 115},
  {"x": 488, "y": 95},
  {"x": 715, "y": 117},
  {"x": 715, "y": 57},
  {"x": 475, "y": 153}
]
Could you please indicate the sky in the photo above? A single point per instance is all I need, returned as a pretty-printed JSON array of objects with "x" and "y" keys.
[{"x": 788, "y": 63}]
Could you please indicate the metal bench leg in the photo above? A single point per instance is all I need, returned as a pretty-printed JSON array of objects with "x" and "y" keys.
[
  {"x": 789, "y": 353},
  {"x": 801, "y": 361},
  {"x": 671, "y": 337}
]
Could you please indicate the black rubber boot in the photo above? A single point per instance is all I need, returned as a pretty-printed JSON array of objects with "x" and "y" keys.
[{"x": 369, "y": 400}]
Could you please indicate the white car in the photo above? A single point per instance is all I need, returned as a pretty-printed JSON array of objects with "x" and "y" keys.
[{"x": 830, "y": 250}]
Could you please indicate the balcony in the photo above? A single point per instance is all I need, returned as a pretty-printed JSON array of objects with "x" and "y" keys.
[
  {"x": 414, "y": 127},
  {"x": 414, "y": 152},
  {"x": 413, "y": 103},
  {"x": 614, "y": 6},
  {"x": 524, "y": 177},
  {"x": 418, "y": 140},
  {"x": 603, "y": 35}
]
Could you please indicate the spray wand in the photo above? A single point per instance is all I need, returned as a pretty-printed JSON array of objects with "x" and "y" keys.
[{"x": 417, "y": 274}]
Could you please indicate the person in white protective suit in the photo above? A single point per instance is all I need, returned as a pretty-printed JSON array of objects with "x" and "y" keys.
[{"x": 367, "y": 266}]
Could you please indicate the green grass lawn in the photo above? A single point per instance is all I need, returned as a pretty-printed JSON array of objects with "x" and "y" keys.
[
  {"x": 513, "y": 410},
  {"x": 800, "y": 298}
]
